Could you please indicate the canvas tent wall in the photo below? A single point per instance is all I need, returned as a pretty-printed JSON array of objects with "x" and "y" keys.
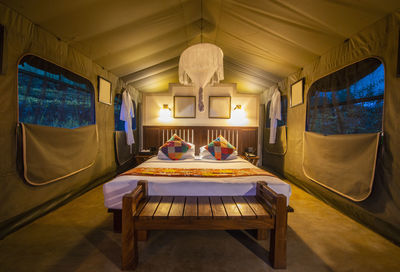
[
  {"x": 22, "y": 202},
  {"x": 381, "y": 209}
]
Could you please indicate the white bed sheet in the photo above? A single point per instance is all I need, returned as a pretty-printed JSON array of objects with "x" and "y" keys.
[{"x": 115, "y": 189}]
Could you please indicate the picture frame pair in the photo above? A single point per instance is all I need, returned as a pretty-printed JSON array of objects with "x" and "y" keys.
[{"x": 218, "y": 107}]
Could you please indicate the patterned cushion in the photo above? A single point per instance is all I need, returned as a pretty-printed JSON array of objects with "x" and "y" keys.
[
  {"x": 175, "y": 138},
  {"x": 220, "y": 148},
  {"x": 175, "y": 148}
]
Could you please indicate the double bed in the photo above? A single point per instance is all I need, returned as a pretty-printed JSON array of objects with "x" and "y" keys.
[
  {"x": 189, "y": 185},
  {"x": 248, "y": 197}
]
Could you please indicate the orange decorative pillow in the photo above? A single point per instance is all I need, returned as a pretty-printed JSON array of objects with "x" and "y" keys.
[
  {"x": 220, "y": 148},
  {"x": 175, "y": 148}
]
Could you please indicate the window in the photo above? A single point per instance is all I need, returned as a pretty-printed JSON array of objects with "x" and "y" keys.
[
  {"x": 348, "y": 101},
  {"x": 120, "y": 125},
  {"x": 284, "y": 102},
  {"x": 49, "y": 95}
]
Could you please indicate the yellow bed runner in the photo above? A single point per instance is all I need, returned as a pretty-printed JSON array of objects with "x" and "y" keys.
[{"x": 197, "y": 172}]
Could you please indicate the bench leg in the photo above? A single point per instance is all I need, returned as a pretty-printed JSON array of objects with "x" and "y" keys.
[
  {"x": 261, "y": 234},
  {"x": 277, "y": 252},
  {"x": 142, "y": 235},
  {"x": 129, "y": 243}
]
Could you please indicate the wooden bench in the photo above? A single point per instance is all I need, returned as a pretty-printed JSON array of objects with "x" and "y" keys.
[{"x": 266, "y": 210}]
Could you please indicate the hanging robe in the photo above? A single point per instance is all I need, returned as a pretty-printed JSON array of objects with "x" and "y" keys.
[
  {"x": 274, "y": 114},
  {"x": 126, "y": 114}
]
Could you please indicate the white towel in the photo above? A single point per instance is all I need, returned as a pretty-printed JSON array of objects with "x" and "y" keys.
[
  {"x": 274, "y": 114},
  {"x": 126, "y": 114}
]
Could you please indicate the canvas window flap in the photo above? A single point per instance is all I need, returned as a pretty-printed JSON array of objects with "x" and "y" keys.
[
  {"x": 344, "y": 164},
  {"x": 51, "y": 153},
  {"x": 122, "y": 149},
  {"x": 280, "y": 145}
]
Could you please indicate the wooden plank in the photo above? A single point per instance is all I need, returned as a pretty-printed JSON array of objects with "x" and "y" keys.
[
  {"x": 256, "y": 207},
  {"x": 164, "y": 207},
  {"x": 150, "y": 208},
  {"x": 230, "y": 206},
  {"x": 190, "y": 207},
  {"x": 217, "y": 208},
  {"x": 244, "y": 207},
  {"x": 177, "y": 207},
  {"x": 188, "y": 223},
  {"x": 204, "y": 207}
]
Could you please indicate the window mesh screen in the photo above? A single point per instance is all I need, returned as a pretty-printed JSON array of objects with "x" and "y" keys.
[
  {"x": 348, "y": 101},
  {"x": 49, "y": 95},
  {"x": 120, "y": 125},
  {"x": 284, "y": 102}
]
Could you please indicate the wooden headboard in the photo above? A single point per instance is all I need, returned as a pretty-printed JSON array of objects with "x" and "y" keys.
[{"x": 240, "y": 137}]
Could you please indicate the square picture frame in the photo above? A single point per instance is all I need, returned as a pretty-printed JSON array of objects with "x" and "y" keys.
[
  {"x": 184, "y": 106},
  {"x": 297, "y": 93},
  {"x": 104, "y": 87},
  {"x": 219, "y": 107}
]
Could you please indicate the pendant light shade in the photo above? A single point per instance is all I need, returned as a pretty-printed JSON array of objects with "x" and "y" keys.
[{"x": 200, "y": 65}]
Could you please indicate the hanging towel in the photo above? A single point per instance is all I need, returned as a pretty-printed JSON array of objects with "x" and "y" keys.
[
  {"x": 127, "y": 113},
  {"x": 274, "y": 113}
]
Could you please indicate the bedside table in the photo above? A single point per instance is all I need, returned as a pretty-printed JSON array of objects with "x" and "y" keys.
[
  {"x": 251, "y": 159},
  {"x": 142, "y": 158}
]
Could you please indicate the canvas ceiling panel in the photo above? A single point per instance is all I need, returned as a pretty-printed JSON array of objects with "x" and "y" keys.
[
  {"x": 146, "y": 61},
  {"x": 90, "y": 18},
  {"x": 239, "y": 49},
  {"x": 153, "y": 70},
  {"x": 137, "y": 33},
  {"x": 287, "y": 26},
  {"x": 269, "y": 45},
  {"x": 157, "y": 82},
  {"x": 212, "y": 11},
  {"x": 345, "y": 16},
  {"x": 152, "y": 47}
]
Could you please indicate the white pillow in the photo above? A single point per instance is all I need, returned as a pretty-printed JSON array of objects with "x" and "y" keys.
[
  {"x": 206, "y": 155},
  {"x": 187, "y": 155}
]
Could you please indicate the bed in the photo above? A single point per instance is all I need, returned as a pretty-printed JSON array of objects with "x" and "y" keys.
[
  {"x": 192, "y": 180},
  {"x": 191, "y": 186}
]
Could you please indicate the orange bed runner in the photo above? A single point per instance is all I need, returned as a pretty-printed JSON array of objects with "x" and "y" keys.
[{"x": 197, "y": 172}]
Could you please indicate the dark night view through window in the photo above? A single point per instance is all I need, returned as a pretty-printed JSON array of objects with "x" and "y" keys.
[
  {"x": 348, "y": 101},
  {"x": 49, "y": 95}
]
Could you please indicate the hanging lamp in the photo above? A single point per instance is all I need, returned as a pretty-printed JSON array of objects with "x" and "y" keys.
[{"x": 201, "y": 64}]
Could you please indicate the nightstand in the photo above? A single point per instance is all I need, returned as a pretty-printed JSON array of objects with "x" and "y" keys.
[{"x": 251, "y": 159}]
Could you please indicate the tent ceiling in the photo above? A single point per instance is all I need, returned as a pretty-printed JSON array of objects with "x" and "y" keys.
[{"x": 263, "y": 40}]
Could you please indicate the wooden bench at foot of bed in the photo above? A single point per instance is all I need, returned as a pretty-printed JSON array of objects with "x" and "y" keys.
[{"x": 266, "y": 210}]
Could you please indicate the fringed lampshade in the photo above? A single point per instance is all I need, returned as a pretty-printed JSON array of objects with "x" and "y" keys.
[{"x": 201, "y": 64}]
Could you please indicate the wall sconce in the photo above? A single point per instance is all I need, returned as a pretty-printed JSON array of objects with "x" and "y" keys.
[
  {"x": 238, "y": 116},
  {"x": 237, "y": 107},
  {"x": 165, "y": 114}
]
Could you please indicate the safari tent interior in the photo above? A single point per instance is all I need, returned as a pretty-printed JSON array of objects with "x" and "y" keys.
[{"x": 307, "y": 90}]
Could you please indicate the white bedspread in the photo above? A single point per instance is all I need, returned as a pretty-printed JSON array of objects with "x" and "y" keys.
[{"x": 191, "y": 186}]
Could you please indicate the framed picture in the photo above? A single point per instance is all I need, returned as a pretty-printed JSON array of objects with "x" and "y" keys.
[
  {"x": 184, "y": 106},
  {"x": 104, "y": 91},
  {"x": 296, "y": 93},
  {"x": 219, "y": 107}
]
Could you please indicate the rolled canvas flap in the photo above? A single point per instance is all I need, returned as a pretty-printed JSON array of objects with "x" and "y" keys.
[
  {"x": 280, "y": 146},
  {"x": 51, "y": 153},
  {"x": 344, "y": 164},
  {"x": 122, "y": 149}
]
